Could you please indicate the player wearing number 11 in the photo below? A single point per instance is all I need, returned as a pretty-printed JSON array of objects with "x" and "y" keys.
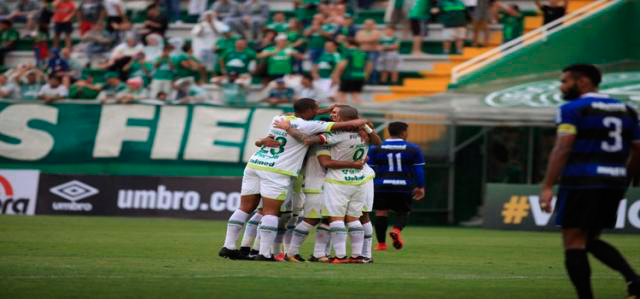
[{"x": 595, "y": 136}]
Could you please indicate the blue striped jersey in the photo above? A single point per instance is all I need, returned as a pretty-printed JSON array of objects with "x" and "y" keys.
[
  {"x": 604, "y": 130},
  {"x": 399, "y": 165}
]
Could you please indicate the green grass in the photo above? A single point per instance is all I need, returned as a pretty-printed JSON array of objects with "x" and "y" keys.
[{"x": 100, "y": 257}]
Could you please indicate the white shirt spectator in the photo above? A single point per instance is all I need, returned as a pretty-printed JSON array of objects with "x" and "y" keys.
[
  {"x": 9, "y": 91},
  {"x": 48, "y": 91},
  {"x": 112, "y": 7},
  {"x": 203, "y": 37},
  {"x": 124, "y": 49},
  {"x": 310, "y": 92}
]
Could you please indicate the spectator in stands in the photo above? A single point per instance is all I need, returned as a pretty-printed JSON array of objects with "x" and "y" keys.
[
  {"x": 347, "y": 28},
  {"x": 117, "y": 20},
  {"x": 53, "y": 91},
  {"x": 280, "y": 58},
  {"x": 25, "y": 11},
  {"x": 229, "y": 12},
  {"x": 323, "y": 70},
  {"x": 155, "y": 23},
  {"x": 305, "y": 10},
  {"x": 30, "y": 79},
  {"x": 188, "y": 66},
  {"x": 369, "y": 40},
  {"x": 90, "y": 13},
  {"x": 138, "y": 67},
  {"x": 396, "y": 14},
  {"x": 84, "y": 89},
  {"x": 351, "y": 73},
  {"x": 197, "y": 8},
  {"x": 98, "y": 42},
  {"x": 238, "y": 60},
  {"x": 64, "y": 11},
  {"x": 233, "y": 89},
  {"x": 512, "y": 23},
  {"x": 164, "y": 72},
  {"x": 57, "y": 63},
  {"x": 8, "y": 89},
  {"x": 5, "y": 11},
  {"x": 185, "y": 92},
  {"x": 296, "y": 40},
  {"x": 255, "y": 16},
  {"x": 307, "y": 89},
  {"x": 280, "y": 94},
  {"x": 153, "y": 49},
  {"x": 225, "y": 43},
  {"x": 173, "y": 10},
  {"x": 204, "y": 36},
  {"x": 75, "y": 66},
  {"x": 482, "y": 16},
  {"x": 8, "y": 39},
  {"x": 454, "y": 20},
  {"x": 123, "y": 53},
  {"x": 315, "y": 38},
  {"x": 552, "y": 11},
  {"x": 418, "y": 17},
  {"x": 389, "y": 57},
  {"x": 111, "y": 88},
  {"x": 177, "y": 43},
  {"x": 279, "y": 23},
  {"x": 134, "y": 92}
]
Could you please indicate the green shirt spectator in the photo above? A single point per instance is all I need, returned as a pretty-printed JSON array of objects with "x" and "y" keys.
[
  {"x": 356, "y": 60},
  {"x": 279, "y": 23},
  {"x": 181, "y": 70},
  {"x": 453, "y": 13},
  {"x": 238, "y": 62},
  {"x": 225, "y": 43},
  {"x": 163, "y": 69},
  {"x": 84, "y": 89},
  {"x": 512, "y": 24},
  {"x": 327, "y": 63}
]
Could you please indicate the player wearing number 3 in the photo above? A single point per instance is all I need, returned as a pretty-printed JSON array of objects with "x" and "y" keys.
[{"x": 595, "y": 136}]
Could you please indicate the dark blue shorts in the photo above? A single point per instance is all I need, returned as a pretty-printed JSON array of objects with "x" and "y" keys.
[
  {"x": 588, "y": 209},
  {"x": 399, "y": 202}
]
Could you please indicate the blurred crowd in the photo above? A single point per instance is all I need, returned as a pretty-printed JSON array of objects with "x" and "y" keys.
[{"x": 98, "y": 50}]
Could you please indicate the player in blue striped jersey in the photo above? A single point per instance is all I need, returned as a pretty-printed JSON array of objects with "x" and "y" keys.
[
  {"x": 596, "y": 135},
  {"x": 399, "y": 167}
]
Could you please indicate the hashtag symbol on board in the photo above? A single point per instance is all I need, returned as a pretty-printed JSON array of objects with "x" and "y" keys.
[{"x": 515, "y": 210}]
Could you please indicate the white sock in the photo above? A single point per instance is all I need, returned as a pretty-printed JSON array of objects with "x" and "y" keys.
[
  {"x": 357, "y": 237},
  {"x": 256, "y": 243},
  {"x": 277, "y": 242},
  {"x": 339, "y": 238},
  {"x": 268, "y": 231},
  {"x": 234, "y": 226},
  {"x": 322, "y": 239},
  {"x": 251, "y": 230},
  {"x": 299, "y": 235},
  {"x": 291, "y": 225},
  {"x": 368, "y": 239}
]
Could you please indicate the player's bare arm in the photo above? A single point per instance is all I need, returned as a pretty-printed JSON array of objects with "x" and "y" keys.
[
  {"x": 327, "y": 162},
  {"x": 374, "y": 138},
  {"x": 268, "y": 141},
  {"x": 557, "y": 161}
]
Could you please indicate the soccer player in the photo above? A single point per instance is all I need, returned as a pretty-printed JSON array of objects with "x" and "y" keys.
[
  {"x": 595, "y": 136},
  {"x": 344, "y": 188},
  {"x": 399, "y": 167},
  {"x": 268, "y": 173}
]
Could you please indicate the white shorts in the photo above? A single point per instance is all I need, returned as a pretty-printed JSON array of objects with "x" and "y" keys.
[
  {"x": 388, "y": 61},
  {"x": 454, "y": 33},
  {"x": 268, "y": 184},
  {"x": 313, "y": 205},
  {"x": 344, "y": 200},
  {"x": 368, "y": 190}
]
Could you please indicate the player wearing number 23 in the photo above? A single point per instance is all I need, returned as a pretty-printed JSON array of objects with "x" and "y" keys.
[{"x": 595, "y": 136}]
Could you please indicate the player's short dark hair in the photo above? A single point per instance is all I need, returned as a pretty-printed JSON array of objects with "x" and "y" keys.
[
  {"x": 348, "y": 113},
  {"x": 396, "y": 128},
  {"x": 304, "y": 105},
  {"x": 589, "y": 71}
]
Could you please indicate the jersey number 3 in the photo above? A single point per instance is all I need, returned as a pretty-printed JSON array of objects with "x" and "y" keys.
[{"x": 615, "y": 133}]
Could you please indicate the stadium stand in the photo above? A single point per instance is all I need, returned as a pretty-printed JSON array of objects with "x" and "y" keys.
[{"x": 420, "y": 75}]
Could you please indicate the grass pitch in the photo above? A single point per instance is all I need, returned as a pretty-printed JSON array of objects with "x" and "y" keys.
[{"x": 110, "y": 257}]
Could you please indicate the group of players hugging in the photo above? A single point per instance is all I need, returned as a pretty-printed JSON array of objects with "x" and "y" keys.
[{"x": 310, "y": 173}]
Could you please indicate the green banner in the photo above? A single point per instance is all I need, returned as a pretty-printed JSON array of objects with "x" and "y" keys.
[
  {"x": 516, "y": 207},
  {"x": 130, "y": 139}
]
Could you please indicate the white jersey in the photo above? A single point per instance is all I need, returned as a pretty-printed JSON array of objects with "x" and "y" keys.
[
  {"x": 287, "y": 159},
  {"x": 313, "y": 172},
  {"x": 346, "y": 146}
]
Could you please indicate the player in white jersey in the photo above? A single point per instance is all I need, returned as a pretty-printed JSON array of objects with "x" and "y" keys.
[{"x": 268, "y": 174}]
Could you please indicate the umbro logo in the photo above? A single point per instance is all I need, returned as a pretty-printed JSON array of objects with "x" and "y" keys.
[{"x": 74, "y": 190}]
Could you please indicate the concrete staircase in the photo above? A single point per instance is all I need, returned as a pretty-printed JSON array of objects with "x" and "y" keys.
[{"x": 437, "y": 79}]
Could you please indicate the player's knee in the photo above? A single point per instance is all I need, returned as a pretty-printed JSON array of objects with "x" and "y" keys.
[{"x": 574, "y": 239}]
